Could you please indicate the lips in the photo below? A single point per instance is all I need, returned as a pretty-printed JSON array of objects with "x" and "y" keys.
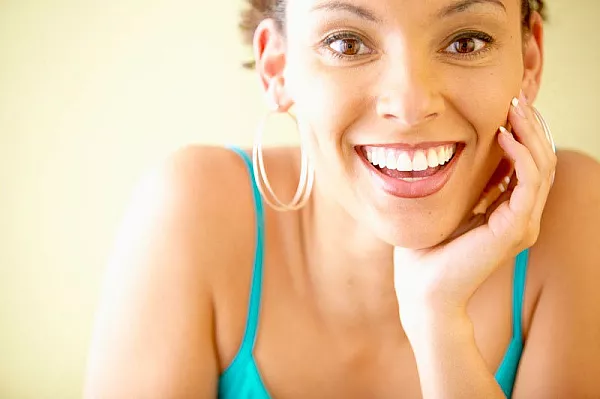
[{"x": 413, "y": 178}]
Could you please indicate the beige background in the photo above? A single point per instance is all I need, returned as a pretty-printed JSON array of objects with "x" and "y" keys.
[{"x": 92, "y": 92}]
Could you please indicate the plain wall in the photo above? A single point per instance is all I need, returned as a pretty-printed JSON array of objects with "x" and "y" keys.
[{"x": 93, "y": 92}]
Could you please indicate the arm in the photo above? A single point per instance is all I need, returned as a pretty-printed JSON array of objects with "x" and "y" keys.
[
  {"x": 448, "y": 360},
  {"x": 153, "y": 336},
  {"x": 561, "y": 358}
]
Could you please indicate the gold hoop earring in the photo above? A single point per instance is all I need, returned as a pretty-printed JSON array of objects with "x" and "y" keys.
[
  {"x": 546, "y": 128},
  {"x": 260, "y": 175}
]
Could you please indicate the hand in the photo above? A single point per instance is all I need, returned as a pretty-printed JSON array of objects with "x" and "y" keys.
[{"x": 438, "y": 282}]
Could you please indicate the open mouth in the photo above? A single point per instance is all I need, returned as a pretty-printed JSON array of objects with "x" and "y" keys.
[
  {"x": 412, "y": 172},
  {"x": 411, "y": 165}
]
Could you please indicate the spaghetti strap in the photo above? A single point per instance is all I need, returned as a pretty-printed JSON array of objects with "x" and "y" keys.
[
  {"x": 519, "y": 280},
  {"x": 250, "y": 333}
]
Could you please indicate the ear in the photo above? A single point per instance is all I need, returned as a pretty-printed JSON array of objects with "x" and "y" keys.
[
  {"x": 270, "y": 55},
  {"x": 533, "y": 57}
]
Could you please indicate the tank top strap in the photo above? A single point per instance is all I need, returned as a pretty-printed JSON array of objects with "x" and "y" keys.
[
  {"x": 519, "y": 281},
  {"x": 250, "y": 332}
]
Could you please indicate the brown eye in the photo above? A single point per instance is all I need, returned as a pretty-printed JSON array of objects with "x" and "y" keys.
[
  {"x": 347, "y": 47},
  {"x": 465, "y": 45},
  {"x": 470, "y": 44}
]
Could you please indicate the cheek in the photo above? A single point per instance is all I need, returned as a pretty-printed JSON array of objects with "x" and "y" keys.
[
  {"x": 328, "y": 101},
  {"x": 483, "y": 99},
  {"x": 328, "y": 104}
]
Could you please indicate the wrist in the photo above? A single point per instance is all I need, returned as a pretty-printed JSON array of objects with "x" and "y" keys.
[{"x": 436, "y": 325}]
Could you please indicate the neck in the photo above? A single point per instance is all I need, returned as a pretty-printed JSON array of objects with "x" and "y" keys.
[{"x": 349, "y": 269}]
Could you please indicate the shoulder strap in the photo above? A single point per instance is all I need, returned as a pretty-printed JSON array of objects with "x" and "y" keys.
[
  {"x": 257, "y": 270},
  {"x": 519, "y": 280}
]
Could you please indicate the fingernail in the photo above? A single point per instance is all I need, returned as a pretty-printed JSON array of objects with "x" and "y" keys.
[
  {"x": 481, "y": 207},
  {"x": 523, "y": 98},
  {"x": 504, "y": 131},
  {"x": 518, "y": 107}
]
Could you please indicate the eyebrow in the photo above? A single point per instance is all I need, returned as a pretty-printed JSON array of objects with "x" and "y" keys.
[
  {"x": 343, "y": 6},
  {"x": 464, "y": 5},
  {"x": 458, "y": 7}
]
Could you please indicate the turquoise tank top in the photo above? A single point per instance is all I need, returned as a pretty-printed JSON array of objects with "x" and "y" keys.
[{"x": 242, "y": 378}]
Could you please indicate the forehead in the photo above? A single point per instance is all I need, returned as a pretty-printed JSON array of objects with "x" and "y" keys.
[{"x": 381, "y": 10}]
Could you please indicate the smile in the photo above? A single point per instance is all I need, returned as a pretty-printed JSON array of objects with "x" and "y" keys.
[{"x": 411, "y": 172}]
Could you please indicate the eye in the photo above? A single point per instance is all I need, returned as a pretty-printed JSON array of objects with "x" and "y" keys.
[
  {"x": 469, "y": 43},
  {"x": 346, "y": 45}
]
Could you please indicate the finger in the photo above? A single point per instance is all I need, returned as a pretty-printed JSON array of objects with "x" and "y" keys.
[
  {"x": 534, "y": 136},
  {"x": 524, "y": 194},
  {"x": 529, "y": 133},
  {"x": 548, "y": 168},
  {"x": 497, "y": 185},
  {"x": 504, "y": 196}
]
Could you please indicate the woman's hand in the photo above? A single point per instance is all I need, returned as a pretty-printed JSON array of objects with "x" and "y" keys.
[{"x": 437, "y": 283}]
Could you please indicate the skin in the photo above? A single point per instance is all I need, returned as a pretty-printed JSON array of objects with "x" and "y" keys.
[{"x": 355, "y": 281}]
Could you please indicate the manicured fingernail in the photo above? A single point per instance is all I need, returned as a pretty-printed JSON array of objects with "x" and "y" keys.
[
  {"x": 504, "y": 131},
  {"x": 523, "y": 98},
  {"x": 518, "y": 107}
]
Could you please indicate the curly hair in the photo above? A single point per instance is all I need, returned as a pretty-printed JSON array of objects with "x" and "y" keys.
[{"x": 257, "y": 10}]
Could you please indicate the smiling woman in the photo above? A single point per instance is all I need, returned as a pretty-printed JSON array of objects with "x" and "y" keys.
[{"x": 436, "y": 246}]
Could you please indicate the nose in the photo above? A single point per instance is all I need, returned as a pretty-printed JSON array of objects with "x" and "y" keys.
[{"x": 410, "y": 94}]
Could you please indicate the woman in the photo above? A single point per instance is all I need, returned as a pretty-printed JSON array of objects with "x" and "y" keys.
[{"x": 442, "y": 249}]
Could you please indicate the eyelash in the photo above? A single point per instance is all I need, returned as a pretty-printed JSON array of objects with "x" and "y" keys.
[
  {"x": 334, "y": 37},
  {"x": 484, "y": 37}
]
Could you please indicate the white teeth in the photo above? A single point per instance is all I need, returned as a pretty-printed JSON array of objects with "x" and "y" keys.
[
  {"x": 381, "y": 157},
  {"x": 420, "y": 161},
  {"x": 390, "y": 161},
  {"x": 392, "y": 158},
  {"x": 451, "y": 151},
  {"x": 432, "y": 158},
  {"x": 445, "y": 153},
  {"x": 404, "y": 163},
  {"x": 441, "y": 152},
  {"x": 374, "y": 159}
]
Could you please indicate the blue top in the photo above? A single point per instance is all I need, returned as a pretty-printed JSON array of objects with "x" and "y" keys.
[{"x": 242, "y": 378}]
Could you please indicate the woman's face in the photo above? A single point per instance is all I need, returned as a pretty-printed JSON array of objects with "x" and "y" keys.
[{"x": 405, "y": 84}]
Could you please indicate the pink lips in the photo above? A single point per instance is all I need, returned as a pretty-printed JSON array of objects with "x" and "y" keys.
[{"x": 416, "y": 189}]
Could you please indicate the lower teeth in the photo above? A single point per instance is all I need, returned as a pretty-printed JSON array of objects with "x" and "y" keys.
[{"x": 412, "y": 179}]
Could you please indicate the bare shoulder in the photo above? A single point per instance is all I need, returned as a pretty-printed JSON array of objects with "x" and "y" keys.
[
  {"x": 572, "y": 213},
  {"x": 563, "y": 344},
  {"x": 153, "y": 336}
]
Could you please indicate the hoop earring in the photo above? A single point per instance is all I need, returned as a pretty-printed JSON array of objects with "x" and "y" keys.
[
  {"x": 546, "y": 128},
  {"x": 548, "y": 133},
  {"x": 260, "y": 175}
]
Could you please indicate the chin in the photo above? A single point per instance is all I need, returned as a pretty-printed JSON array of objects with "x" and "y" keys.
[
  {"x": 415, "y": 232},
  {"x": 410, "y": 240}
]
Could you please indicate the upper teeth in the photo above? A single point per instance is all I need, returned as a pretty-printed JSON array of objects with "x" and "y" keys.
[{"x": 408, "y": 161}]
